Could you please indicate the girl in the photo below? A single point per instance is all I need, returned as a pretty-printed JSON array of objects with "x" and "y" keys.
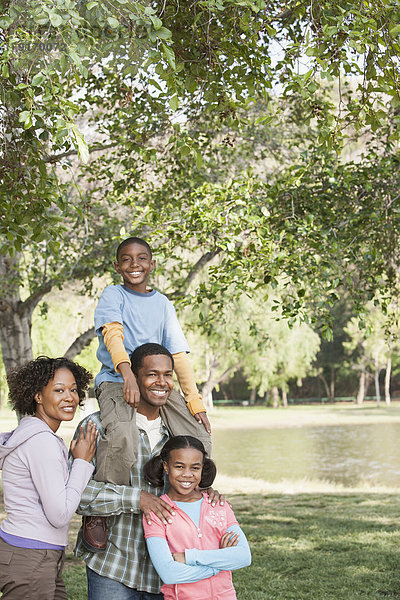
[
  {"x": 40, "y": 495},
  {"x": 193, "y": 555}
]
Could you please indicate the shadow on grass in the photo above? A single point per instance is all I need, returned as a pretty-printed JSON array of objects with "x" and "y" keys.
[
  {"x": 319, "y": 546},
  {"x": 304, "y": 546}
]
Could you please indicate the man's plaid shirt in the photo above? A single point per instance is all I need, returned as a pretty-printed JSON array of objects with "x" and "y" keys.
[{"x": 126, "y": 558}]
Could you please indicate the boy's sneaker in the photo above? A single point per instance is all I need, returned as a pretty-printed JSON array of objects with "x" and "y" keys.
[{"x": 95, "y": 533}]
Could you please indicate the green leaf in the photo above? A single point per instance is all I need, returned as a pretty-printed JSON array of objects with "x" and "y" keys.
[
  {"x": 38, "y": 79},
  {"x": 113, "y": 23},
  {"x": 174, "y": 102},
  {"x": 169, "y": 55},
  {"x": 55, "y": 19},
  {"x": 191, "y": 84},
  {"x": 264, "y": 119},
  {"x": 83, "y": 150},
  {"x": 91, "y": 5},
  {"x": 75, "y": 58},
  {"x": 28, "y": 122},
  {"x": 41, "y": 19},
  {"x": 185, "y": 150},
  {"x": 24, "y": 116},
  {"x": 199, "y": 160},
  {"x": 157, "y": 23},
  {"x": 64, "y": 64},
  {"x": 5, "y": 22},
  {"x": 163, "y": 33}
]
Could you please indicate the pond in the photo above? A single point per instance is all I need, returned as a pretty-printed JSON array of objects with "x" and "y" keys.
[{"x": 343, "y": 454}]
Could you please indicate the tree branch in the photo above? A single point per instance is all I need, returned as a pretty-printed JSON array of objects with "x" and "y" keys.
[
  {"x": 201, "y": 263},
  {"x": 80, "y": 343},
  {"x": 53, "y": 158},
  {"x": 32, "y": 301},
  {"x": 228, "y": 372}
]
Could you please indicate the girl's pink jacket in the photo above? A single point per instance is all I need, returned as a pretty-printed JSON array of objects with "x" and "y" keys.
[{"x": 183, "y": 534}]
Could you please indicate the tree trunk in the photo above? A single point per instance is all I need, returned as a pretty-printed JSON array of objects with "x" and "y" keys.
[
  {"x": 15, "y": 336},
  {"x": 15, "y": 317},
  {"x": 206, "y": 393},
  {"x": 387, "y": 380},
  {"x": 275, "y": 396},
  {"x": 361, "y": 387},
  {"x": 327, "y": 391},
  {"x": 253, "y": 396},
  {"x": 284, "y": 395},
  {"x": 208, "y": 386},
  {"x": 377, "y": 371},
  {"x": 212, "y": 380},
  {"x": 332, "y": 385}
]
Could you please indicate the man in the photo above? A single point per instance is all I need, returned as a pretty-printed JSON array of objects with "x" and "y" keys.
[{"x": 123, "y": 571}]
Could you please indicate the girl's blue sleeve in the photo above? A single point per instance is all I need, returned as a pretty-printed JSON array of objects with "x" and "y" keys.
[
  {"x": 225, "y": 559},
  {"x": 171, "y": 571}
]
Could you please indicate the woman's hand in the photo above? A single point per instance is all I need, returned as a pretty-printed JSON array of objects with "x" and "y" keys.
[
  {"x": 179, "y": 557},
  {"x": 229, "y": 539},
  {"x": 84, "y": 446}
]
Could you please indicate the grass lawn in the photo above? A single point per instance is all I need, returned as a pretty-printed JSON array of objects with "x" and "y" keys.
[
  {"x": 333, "y": 543},
  {"x": 307, "y": 546}
]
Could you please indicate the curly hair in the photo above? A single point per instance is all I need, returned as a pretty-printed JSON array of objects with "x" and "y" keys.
[
  {"x": 153, "y": 470},
  {"x": 26, "y": 381}
]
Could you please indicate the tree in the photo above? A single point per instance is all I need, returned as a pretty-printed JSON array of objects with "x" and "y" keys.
[
  {"x": 332, "y": 357},
  {"x": 143, "y": 64},
  {"x": 139, "y": 78},
  {"x": 248, "y": 334},
  {"x": 372, "y": 345}
]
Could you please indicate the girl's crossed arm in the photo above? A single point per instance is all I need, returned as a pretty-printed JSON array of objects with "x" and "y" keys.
[
  {"x": 171, "y": 571},
  {"x": 234, "y": 553}
]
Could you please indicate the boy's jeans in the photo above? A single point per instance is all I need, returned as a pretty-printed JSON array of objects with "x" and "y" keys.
[{"x": 118, "y": 446}]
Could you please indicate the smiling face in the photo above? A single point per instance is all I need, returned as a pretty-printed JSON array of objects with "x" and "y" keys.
[
  {"x": 58, "y": 400},
  {"x": 134, "y": 265},
  {"x": 155, "y": 382},
  {"x": 184, "y": 468}
]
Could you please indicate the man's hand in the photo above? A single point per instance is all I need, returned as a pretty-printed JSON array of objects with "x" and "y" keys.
[
  {"x": 202, "y": 419},
  {"x": 149, "y": 502},
  {"x": 179, "y": 557},
  {"x": 130, "y": 391},
  {"x": 214, "y": 497}
]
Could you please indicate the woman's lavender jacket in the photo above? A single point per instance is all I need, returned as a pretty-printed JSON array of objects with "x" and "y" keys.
[{"x": 40, "y": 494}]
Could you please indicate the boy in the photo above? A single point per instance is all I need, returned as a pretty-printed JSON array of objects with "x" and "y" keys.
[{"x": 127, "y": 316}]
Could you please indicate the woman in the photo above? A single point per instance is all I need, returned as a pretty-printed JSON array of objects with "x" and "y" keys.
[{"x": 40, "y": 494}]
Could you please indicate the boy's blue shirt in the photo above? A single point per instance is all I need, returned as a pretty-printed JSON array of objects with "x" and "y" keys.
[{"x": 149, "y": 317}]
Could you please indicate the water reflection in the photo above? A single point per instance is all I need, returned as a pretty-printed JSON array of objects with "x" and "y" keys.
[{"x": 347, "y": 454}]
